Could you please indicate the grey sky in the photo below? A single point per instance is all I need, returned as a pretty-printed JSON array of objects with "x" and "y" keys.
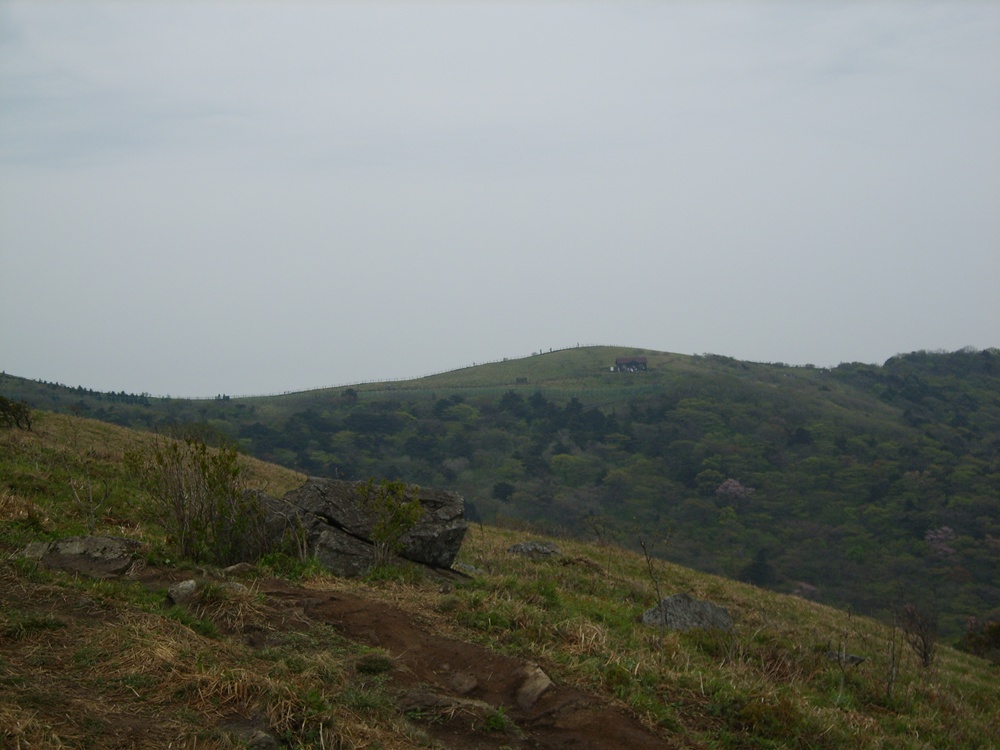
[{"x": 207, "y": 197}]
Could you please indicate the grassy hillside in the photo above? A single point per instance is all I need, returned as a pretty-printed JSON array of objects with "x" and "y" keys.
[
  {"x": 863, "y": 486},
  {"x": 110, "y": 664}
]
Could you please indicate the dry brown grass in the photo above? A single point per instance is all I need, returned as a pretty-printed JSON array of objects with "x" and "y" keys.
[
  {"x": 771, "y": 676},
  {"x": 107, "y": 443},
  {"x": 15, "y": 508},
  {"x": 66, "y": 682},
  {"x": 235, "y": 608}
]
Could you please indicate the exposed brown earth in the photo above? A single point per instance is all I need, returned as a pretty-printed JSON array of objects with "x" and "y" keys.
[
  {"x": 449, "y": 681},
  {"x": 462, "y": 694}
]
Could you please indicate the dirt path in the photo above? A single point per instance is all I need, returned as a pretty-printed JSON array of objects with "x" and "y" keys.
[{"x": 457, "y": 686}]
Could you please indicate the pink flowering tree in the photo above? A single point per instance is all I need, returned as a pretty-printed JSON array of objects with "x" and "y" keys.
[
  {"x": 734, "y": 491},
  {"x": 940, "y": 540}
]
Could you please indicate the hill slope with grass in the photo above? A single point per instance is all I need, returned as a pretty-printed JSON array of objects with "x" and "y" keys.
[
  {"x": 297, "y": 658},
  {"x": 861, "y": 486}
]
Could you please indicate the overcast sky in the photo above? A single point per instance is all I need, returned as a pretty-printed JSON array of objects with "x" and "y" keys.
[{"x": 235, "y": 197}]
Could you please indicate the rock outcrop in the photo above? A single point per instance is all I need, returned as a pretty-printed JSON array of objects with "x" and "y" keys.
[
  {"x": 93, "y": 556},
  {"x": 335, "y": 527},
  {"x": 187, "y": 592},
  {"x": 682, "y": 612},
  {"x": 534, "y": 550},
  {"x": 535, "y": 683}
]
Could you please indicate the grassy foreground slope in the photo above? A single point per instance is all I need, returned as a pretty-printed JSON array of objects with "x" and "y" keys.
[{"x": 109, "y": 664}]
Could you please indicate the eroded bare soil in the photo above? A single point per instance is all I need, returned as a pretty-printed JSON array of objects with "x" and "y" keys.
[
  {"x": 445, "y": 679},
  {"x": 460, "y": 693}
]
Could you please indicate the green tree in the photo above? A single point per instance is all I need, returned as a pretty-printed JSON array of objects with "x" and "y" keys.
[
  {"x": 503, "y": 490},
  {"x": 15, "y": 414},
  {"x": 573, "y": 471},
  {"x": 393, "y": 514},
  {"x": 759, "y": 571}
]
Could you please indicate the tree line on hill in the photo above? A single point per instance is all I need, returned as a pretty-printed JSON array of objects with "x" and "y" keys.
[{"x": 861, "y": 486}]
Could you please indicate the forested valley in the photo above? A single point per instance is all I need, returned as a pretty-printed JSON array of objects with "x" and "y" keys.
[{"x": 862, "y": 486}]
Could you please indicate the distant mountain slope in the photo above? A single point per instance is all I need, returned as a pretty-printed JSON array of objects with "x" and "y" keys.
[{"x": 860, "y": 485}]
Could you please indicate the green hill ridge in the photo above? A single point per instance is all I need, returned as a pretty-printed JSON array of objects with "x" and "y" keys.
[{"x": 862, "y": 486}]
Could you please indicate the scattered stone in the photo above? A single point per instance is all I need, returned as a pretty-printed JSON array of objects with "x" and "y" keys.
[
  {"x": 254, "y": 737},
  {"x": 682, "y": 612},
  {"x": 534, "y": 550},
  {"x": 535, "y": 683},
  {"x": 183, "y": 592},
  {"x": 239, "y": 569},
  {"x": 261, "y": 740},
  {"x": 93, "y": 556},
  {"x": 463, "y": 683},
  {"x": 36, "y": 550},
  {"x": 186, "y": 591},
  {"x": 845, "y": 659}
]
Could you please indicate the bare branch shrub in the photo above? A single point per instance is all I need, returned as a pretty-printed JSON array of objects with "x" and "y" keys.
[
  {"x": 885, "y": 644},
  {"x": 893, "y": 659},
  {"x": 656, "y": 587},
  {"x": 203, "y": 500},
  {"x": 920, "y": 628},
  {"x": 84, "y": 492},
  {"x": 604, "y": 530}
]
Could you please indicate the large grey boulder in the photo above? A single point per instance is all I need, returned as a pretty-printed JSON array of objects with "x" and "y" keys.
[
  {"x": 682, "y": 612},
  {"x": 337, "y": 529},
  {"x": 341, "y": 553}
]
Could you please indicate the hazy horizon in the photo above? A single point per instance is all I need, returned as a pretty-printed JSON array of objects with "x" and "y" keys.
[
  {"x": 623, "y": 351},
  {"x": 210, "y": 197}
]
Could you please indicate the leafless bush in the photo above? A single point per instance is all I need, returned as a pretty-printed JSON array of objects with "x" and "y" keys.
[
  {"x": 202, "y": 499},
  {"x": 921, "y": 631}
]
